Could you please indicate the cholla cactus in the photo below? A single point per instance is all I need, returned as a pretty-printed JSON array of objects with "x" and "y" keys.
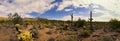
[
  {"x": 25, "y": 36},
  {"x": 17, "y": 27},
  {"x": 34, "y": 31}
]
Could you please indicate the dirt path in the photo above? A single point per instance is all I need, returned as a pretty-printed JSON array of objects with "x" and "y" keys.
[
  {"x": 6, "y": 34},
  {"x": 29, "y": 27}
]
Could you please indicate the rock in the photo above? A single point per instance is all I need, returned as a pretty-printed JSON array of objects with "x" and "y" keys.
[{"x": 95, "y": 36}]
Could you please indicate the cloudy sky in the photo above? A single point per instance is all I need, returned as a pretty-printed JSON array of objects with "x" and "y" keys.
[{"x": 103, "y": 10}]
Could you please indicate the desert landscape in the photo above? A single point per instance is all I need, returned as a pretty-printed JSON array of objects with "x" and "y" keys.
[
  {"x": 59, "y": 20},
  {"x": 57, "y": 30}
]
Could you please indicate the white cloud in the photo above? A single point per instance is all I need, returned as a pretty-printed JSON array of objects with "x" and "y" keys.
[
  {"x": 68, "y": 9},
  {"x": 75, "y": 3},
  {"x": 108, "y": 8},
  {"x": 25, "y": 6},
  {"x": 95, "y": 6}
]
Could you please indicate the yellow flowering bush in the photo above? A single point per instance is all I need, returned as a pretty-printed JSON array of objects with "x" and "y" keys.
[
  {"x": 17, "y": 25},
  {"x": 25, "y": 36}
]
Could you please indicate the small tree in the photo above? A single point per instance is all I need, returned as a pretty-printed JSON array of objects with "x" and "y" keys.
[
  {"x": 10, "y": 16},
  {"x": 16, "y": 19}
]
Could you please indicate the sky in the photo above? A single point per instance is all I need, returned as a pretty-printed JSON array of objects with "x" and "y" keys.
[{"x": 103, "y": 10}]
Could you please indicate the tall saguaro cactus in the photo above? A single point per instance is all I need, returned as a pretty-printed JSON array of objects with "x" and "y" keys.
[
  {"x": 71, "y": 19},
  {"x": 91, "y": 19}
]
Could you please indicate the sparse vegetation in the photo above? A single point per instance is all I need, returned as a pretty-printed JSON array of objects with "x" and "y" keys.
[
  {"x": 41, "y": 28},
  {"x": 114, "y": 25},
  {"x": 80, "y": 23},
  {"x": 49, "y": 32},
  {"x": 16, "y": 19},
  {"x": 70, "y": 39},
  {"x": 84, "y": 33},
  {"x": 107, "y": 38},
  {"x": 34, "y": 31}
]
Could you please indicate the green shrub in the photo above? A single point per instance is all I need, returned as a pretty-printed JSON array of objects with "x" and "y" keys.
[
  {"x": 84, "y": 33},
  {"x": 80, "y": 23},
  {"x": 49, "y": 32},
  {"x": 114, "y": 25},
  {"x": 107, "y": 38},
  {"x": 50, "y": 26},
  {"x": 68, "y": 39},
  {"x": 35, "y": 32},
  {"x": 65, "y": 26}
]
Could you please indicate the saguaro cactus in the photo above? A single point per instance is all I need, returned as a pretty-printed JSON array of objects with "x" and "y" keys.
[
  {"x": 71, "y": 19},
  {"x": 91, "y": 19}
]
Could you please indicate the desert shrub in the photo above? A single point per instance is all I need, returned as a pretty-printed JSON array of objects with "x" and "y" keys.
[
  {"x": 114, "y": 25},
  {"x": 50, "y": 26},
  {"x": 49, "y": 32},
  {"x": 6, "y": 23},
  {"x": 51, "y": 39},
  {"x": 107, "y": 38},
  {"x": 91, "y": 28},
  {"x": 35, "y": 32},
  {"x": 75, "y": 29},
  {"x": 80, "y": 23},
  {"x": 45, "y": 21},
  {"x": 60, "y": 28},
  {"x": 68, "y": 39},
  {"x": 84, "y": 33},
  {"x": 65, "y": 26}
]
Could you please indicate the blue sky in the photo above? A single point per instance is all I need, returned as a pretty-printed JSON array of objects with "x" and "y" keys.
[
  {"x": 53, "y": 13},
  {"x": 103, "y": 10}
]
